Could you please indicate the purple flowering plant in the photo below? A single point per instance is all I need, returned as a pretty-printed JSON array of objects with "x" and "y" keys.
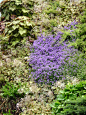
[{"x": 52, "y": 60}]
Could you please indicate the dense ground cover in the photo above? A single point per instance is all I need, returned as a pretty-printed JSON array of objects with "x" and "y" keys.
[{"x": 47, "y": 69}]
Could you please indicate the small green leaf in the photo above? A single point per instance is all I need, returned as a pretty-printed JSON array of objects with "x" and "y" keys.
[
  {"x": 22, "y": 30},
  {"x": 12, "y": 8},
  {"x": 57, "y": 103},
  {"x": 60, "y": 97},
  {"x": 28, "y": 23},
  {"x": 16, "y": 22},
  {"x": 61, "y": 91},
  {"x": 52, "y": 105},
  {"x": 15, "y": 27},
  {"x": 14, "y": 43},
  {"x": 18, "y": 2},
  {"x": 7, "y": 17},
  {"x": 24, "y": 10}
]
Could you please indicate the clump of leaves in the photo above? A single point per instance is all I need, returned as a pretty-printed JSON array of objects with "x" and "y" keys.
[
  {"x": 62, "y": 11},
  {"x": 77, "y": 31},
  {"x": 68, "y": 102},
  {"x": 10, "y": 96},
  {"x": 10, "y": 90},
  {"x": 76, "y": 107},
  {"x": 12, "y": 8},
  {"x": 17, "y": 32},
  {"x": 51, "y": 9},
  {"x": 80, "y": 33},
  {"x": 50, "y": 25}
]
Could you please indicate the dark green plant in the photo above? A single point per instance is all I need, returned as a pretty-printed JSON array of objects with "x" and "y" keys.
[
  {"x": 7, "y": 113},
  {"x": 10, "y": 90},
  {"x": 70, "y": 95},
  {"x": 75, "y": 107}
]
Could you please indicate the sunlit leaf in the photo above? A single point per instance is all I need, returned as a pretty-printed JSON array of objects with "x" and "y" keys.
[{"x": 22, "y": 30}]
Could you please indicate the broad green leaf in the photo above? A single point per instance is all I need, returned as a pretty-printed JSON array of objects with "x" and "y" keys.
[
  {"x": 6, "y": 38},
  {"x": 12, "y": 8},
  {"x": 7, "y": 17},
  {"x": 6, "y": 30},
  {"x": 16, "y": 35},
  {"x": 24, "y": 10},
  {"x": 28, "y": 23},
  {"x": 18, "y": 2},
  {"x": 16, "y": 22},
  {"x": 10, "y": 31},
  {"x": 21, "y": 23},
  {"x": 15, "y": 27},
  {"x": 57, "y": 103},
  {"x": 52, "y": 105},
  {"x": 23, "y": 41},
  {"x": 23, "y": 18},
  {"x": 22, "y": 31},
  {"x": 61, "y": 91},
  {"x": 14, "y": 43},
  {"x": 60, "y": 97}
]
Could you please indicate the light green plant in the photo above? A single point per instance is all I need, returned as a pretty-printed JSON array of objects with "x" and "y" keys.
[
  {"x": 69, "y": 94},
  {"x": 17, "y": 31},
  {"x": 10, "y": 90},
  {"x": 13, "y": 8}
]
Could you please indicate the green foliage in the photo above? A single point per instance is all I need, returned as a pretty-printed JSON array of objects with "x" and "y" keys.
[
  {"x": 75, "y": 107},
  {"x": 10, "y": 90},
  {"x": 51, "y": 24},
  {"x": 51, "y": 9},
  {"x": 17, "y": 31},
  {"x": 80, "y": 33},
  {"x": 7, "y": 113},
  {"x": 71, "y": 100},
  {"x": 16, "y": 8},
  {"x": 61, "y": 11}
]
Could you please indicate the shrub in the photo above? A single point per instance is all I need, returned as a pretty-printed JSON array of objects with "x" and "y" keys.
[
  {"x": 17, "y": 31},
  {"x": 10, "y": 90},
  {"x": 78, "y": 33},
  {"x": 71, "y": 100},
  {"x": 10, "y": 9},
  {"x": 49, "y": 57},
  {"x": 75, "y": 107}
]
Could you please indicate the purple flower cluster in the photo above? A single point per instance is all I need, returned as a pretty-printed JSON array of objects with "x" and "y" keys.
[{"x": 49, "y": 57}]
